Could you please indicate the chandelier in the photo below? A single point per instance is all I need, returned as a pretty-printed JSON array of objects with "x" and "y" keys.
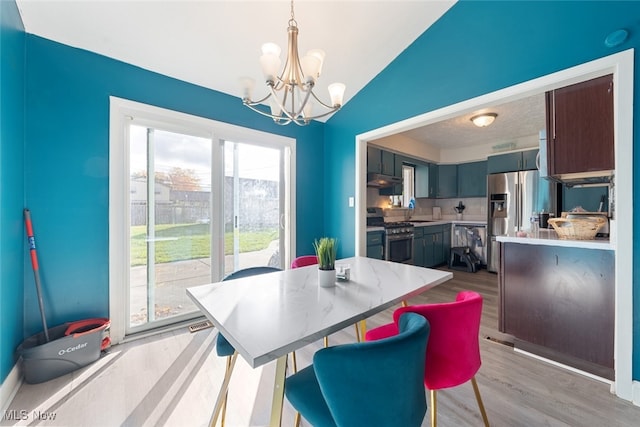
[{"x": 291, "y": 97}]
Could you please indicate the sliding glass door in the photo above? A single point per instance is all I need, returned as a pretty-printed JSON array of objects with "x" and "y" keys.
[
  {"x": 199, "y": 208},
  {"x": 253, "y": 206},
  {"x": 170, "y": 236}
]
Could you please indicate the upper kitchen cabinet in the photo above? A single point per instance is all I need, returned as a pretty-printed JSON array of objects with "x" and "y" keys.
[
  {"x": 580, "y": 127},
  {"x": 426, "y": 178},
  {"x": 447, "y": 181},
  {"x": 512, "y": 162},
  {"x": 472, "y": 179},
  {"x": 388, "y": 164},
  {"x": 374, "y": 160},
  {"x": 384, "y": 162}
]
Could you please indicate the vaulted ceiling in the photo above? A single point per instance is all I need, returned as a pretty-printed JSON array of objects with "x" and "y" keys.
[{"x": 214, "y": 43}]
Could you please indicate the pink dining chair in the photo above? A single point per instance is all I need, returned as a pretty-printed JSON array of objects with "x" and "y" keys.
[
  {"x": 306, "y": 260},
  {"x": 453, "y": 351}
]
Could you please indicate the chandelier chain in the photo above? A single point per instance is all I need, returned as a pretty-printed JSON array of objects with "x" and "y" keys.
[{"x": 292, "y": 20}]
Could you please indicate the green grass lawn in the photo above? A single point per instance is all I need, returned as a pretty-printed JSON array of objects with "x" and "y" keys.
[{"x": 178, "y": 242}]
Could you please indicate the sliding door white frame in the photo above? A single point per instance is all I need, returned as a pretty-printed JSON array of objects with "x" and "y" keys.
[{"x": 123, "y": 111}]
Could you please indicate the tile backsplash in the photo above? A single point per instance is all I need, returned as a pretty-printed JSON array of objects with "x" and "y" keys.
[{"x": 475, "y": 207}]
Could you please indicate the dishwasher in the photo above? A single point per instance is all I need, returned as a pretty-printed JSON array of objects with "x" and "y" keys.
[{"x": 472, "y": 236}]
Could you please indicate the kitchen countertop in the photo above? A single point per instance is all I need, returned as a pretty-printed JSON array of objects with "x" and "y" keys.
[
  {"x": 430, "y": 222},
  {"x": 550, "y": 238}
]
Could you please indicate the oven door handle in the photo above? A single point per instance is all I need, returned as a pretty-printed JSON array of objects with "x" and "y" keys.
[{"x": 395, "y": 237}]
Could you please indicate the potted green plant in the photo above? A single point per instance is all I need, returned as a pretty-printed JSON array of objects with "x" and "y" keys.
[{"x": 326, "y": 249}]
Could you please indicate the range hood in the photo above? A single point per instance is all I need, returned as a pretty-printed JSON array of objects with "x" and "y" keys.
[{"x": 379, "y": 180}]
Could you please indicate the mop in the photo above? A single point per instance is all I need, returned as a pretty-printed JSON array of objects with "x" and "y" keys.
[{"x": 36, "y": 271}]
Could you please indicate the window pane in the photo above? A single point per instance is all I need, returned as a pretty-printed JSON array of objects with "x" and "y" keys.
[
  {"x": 251, "y": 206},
  {"x": 170, "y": 244}
]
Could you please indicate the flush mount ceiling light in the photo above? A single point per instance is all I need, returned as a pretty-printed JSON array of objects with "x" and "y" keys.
[
  {"x": 484, "y": 120},
  {"x": 291, "y": 92}
]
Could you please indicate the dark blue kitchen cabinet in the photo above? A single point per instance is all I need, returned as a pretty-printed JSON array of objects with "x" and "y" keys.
[
  {"x": 529, "y": 160},
  {"x": 512, "y": 162},
  {"x": 375, "y": 244},
  {"x": 418, "y": 247},
  {"x": 431, "y": 245},
  {"x": 423, "y": 180},
  {"x": 381, "y": 161},
  {"x": 472, "y": 179},
  {"x": 446, "y": 242},
  {"x": 388, "y": 163},
  {"x": 374, "y": 160},
  {"x": 447, "y": 181},
  {"x": 395, "y": 170},
  {"x": 433, "y": 181}
]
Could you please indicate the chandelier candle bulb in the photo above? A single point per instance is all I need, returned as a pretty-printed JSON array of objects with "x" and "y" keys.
[
  {"x": 291, "y": 91},
  {"x": 318, "y": 53},
  {"x": 336, "y": 91}
]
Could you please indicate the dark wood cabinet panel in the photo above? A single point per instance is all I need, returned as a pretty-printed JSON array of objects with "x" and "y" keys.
[
  {"x": 580, "y": 127},
  {"x": 561, "y": 300}
]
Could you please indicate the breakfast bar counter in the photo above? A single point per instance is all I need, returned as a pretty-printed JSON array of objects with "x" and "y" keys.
[{"x": 550, "y": 238}]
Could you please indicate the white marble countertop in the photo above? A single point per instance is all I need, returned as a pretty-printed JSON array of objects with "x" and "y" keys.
[
  {"x": 550, "y": 238},
  {"x": 268, "y": 316}
]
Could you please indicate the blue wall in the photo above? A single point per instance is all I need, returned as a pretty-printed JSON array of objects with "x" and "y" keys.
[
  {"x": 67, "y": 183},
  {"x": 476, "y": 48},
  {"x": 12, "y": 237}
]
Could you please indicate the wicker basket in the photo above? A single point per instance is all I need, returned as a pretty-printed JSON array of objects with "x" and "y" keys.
[{"x": 577, "y": 228}]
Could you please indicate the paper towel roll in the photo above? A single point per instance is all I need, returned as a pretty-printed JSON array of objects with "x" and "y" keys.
[{"x": 437, "y": 212}]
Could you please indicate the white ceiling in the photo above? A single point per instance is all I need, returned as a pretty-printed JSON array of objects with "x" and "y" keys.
[
  {"x": 516, "y": 120},
  {"x": 213, "y": 43}
]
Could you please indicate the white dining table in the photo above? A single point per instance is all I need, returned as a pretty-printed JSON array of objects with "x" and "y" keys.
[{"x": 266, "y": 317}]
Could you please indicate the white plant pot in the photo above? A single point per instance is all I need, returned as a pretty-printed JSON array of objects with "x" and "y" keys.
[{"x": 326, "y": 278}]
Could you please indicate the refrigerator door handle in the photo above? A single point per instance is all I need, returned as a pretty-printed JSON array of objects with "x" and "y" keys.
[{"x": 518, "y": 206}]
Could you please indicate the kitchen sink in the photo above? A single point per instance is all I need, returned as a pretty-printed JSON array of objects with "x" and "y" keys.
[{"x": 420, "y": 220}]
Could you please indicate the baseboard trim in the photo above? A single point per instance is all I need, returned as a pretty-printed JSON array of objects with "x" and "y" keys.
[
  {"x": 11, "y": 385},
  {"x": 562, "y": 365},
  {"x": 635, "y": 392}
]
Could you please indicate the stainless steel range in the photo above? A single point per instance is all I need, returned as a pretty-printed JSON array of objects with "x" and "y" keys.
[{"x": 398, "y": 236}]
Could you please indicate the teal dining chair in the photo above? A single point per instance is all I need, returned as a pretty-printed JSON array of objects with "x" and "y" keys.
[
  {"x": 453, "y": 355},
  {"x": 373, "y": 384},
  {"x": 224, "y": 347}
]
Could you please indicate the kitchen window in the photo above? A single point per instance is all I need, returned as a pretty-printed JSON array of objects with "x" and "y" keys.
[{"x": 408, "y": 184}]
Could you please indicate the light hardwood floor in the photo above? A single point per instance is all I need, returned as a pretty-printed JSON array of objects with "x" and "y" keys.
[{"x": 171, "y": 379}]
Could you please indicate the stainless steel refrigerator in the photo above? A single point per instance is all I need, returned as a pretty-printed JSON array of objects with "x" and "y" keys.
[{"x": 512, "y": 198}]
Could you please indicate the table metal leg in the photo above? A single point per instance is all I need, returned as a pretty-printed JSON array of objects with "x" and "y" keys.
[
  {"x": 222, "y": 395},
  {"x": 278, "y": 392},
  {"x": 363, "y": 330}
]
